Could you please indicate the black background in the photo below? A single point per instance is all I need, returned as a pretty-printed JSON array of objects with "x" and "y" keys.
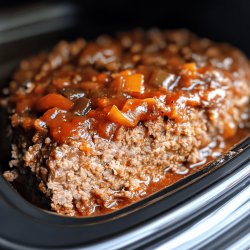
[{"x": 219, "y": 20}]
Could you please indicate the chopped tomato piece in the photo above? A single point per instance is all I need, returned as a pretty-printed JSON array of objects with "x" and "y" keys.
[
  {"x": 50, "y": 114},
  {"x": 54, "y": 100},
  {"x": 134, "y": 83},
  {"x": 117, "y": 116}
]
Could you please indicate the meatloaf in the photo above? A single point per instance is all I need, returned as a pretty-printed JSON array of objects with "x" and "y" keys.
[{"x": 97, "y": 123}]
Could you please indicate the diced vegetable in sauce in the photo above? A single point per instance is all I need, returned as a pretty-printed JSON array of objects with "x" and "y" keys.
[
  {"x": 54, "y": 100},
  {"x": 106, "y": 96}
]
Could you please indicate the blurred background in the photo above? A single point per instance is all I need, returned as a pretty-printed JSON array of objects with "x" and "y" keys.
[{"x": 29, "y": 26}]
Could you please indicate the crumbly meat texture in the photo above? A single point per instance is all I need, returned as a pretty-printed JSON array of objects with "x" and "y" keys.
[{"x": 119, "y": 168}]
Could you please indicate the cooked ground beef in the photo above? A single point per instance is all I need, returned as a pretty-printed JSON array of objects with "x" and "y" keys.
[{"x": 98, "y": 122}]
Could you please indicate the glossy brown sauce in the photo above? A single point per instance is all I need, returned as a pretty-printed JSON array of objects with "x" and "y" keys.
[{"x": 113, "y": 100}]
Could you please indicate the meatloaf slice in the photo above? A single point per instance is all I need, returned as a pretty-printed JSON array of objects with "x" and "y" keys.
[{"x": 98, "y": 122}]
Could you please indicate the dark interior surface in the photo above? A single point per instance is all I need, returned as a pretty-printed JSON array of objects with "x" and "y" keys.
[{"x": 219, "y": 20}]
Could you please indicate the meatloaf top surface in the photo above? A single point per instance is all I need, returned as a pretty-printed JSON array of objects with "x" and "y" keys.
[{"x": 85, "y": 89}]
